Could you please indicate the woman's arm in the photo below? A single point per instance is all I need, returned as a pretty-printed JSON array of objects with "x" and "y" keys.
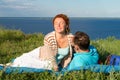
[{"x": 46, "y": 53}]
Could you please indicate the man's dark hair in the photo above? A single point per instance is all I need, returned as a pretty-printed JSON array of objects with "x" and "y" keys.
[{"x": 82, "y": 40}]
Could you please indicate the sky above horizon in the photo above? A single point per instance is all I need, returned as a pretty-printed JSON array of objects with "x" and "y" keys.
[{"x": 49, "y": 8}]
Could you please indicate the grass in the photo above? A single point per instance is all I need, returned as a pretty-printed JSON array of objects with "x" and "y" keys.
[
  {"x": 13, "y": 43},
  {"x": 107, "y": 46}
]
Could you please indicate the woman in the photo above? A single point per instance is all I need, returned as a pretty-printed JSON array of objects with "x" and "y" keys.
[{"x": 59, "y": 41}]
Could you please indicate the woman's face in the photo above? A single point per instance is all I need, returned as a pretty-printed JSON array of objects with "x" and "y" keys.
[{"x": 59, "y": 25}]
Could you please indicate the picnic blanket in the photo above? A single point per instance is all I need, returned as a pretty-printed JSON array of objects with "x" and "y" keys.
[
  {"x": 93, "y": 68},
  {"x": 31, "y": 65}
]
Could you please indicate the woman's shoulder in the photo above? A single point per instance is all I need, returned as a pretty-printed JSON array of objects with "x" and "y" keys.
[{"x": 50, "y": 34}]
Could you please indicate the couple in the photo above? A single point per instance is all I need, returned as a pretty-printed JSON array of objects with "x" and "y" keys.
[{"x": 58, "y": 51}]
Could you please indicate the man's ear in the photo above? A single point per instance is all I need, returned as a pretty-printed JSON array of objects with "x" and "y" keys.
[{"x": 76, "y": 48}]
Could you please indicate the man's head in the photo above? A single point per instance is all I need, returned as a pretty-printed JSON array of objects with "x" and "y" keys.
[{"x": 81, "y": 40}]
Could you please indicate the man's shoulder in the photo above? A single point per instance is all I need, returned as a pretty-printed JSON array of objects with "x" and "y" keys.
[
  {"x": 77, "y": 55},
  {"x": 94, "y": 49}
]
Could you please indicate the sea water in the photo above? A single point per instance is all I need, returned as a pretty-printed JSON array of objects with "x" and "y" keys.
[{"x": 95, "y": 27}]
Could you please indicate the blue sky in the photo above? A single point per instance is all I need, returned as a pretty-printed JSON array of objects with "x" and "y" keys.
[{"x": 49, "y": 8}]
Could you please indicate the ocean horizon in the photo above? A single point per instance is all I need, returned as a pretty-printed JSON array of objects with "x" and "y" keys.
[{"x": 96, "y": 28}]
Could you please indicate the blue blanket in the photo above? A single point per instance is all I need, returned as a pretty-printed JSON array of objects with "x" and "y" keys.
[
  {"x": 98, "y": 68},
  {"x": 21, "y": 69},
  {"x": 93, "y": 68}
]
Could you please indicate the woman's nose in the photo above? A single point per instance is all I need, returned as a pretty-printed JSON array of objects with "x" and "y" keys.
[{"x": 58, "y": 25}]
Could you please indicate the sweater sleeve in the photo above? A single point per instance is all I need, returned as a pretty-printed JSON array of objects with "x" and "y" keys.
[
  {"x": 50, "y": 41},
  {"x": 47, "y": 39}
]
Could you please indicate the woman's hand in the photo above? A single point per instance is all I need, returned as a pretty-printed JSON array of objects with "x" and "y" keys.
[{"x": 55, "y": 68}]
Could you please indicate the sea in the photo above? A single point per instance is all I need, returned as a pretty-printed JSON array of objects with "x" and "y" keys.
[{"x": 96, "y": 28}]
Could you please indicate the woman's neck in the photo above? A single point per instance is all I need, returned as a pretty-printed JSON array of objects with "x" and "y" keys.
[
  {"x": 60, "y": 35},
  {"x": 62, "y": 40}
]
